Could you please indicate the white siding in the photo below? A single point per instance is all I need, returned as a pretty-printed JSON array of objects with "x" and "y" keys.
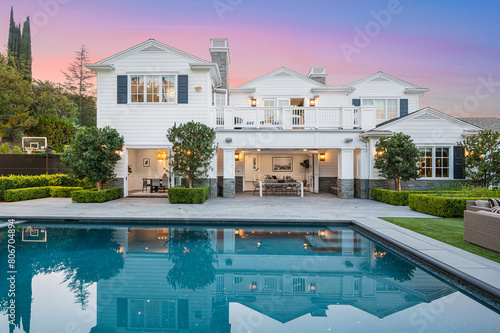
[
  {"x": 329, "y": 168},
  {"x": 385, "y": 89},
  {"x": 147, "y": 124}
]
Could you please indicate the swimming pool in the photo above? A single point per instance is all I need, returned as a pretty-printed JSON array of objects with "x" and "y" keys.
[{"x": 222, "y": 279}]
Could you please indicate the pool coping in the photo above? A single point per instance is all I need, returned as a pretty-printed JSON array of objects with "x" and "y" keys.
[{"x": 474, "y": 281}]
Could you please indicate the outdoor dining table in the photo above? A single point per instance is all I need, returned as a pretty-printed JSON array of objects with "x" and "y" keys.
[{"x": 284, "y": 185}]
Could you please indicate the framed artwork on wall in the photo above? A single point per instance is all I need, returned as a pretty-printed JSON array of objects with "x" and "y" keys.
[
  {"x": 146, "y": 162},
  {"x": 282, "y": 164}
]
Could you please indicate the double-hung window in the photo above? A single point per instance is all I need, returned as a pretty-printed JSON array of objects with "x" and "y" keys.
[
  {"x": 385, "y": 108},
  {"x": 434, "y": 162},
  {"x": 153, "y": 88}
]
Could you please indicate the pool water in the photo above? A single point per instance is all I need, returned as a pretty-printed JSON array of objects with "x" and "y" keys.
[{"x": 197, "y": 279}]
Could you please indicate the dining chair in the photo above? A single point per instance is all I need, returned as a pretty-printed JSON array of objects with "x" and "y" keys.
[
  {"x": 155, "y": 185},
  {"x": 164, "y": 184},
  {"x": 256, "y": 187},
  {"x": 145, "y": 184}
]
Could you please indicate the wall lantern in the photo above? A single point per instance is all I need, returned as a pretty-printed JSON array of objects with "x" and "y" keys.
[
  {"x": 197, "y": 89},
  {"x": 312, "y": 102},
  {"x": 254, "y": 101},
  {"x": 322, "y": 157},
  {"x": 236, "y": 157},
  {"x": 162, "y": 155}
]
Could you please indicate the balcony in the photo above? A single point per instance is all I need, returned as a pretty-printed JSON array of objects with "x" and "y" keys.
[{"x": 287, "y": 118}]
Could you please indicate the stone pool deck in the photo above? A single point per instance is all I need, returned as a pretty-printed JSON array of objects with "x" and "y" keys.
[{"x": 245, "y": 207}]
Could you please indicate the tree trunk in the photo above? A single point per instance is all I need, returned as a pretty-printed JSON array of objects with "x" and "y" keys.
[
  {"x": 395, "y": 184},
  {"x": 191, "y": 182},
  {"x": 99, "y": 186},
  {"x": 399, "y": 184}
]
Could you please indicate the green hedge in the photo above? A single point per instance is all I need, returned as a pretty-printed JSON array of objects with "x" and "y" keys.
[
  {"x": 396, "y": 198},
  {"x": 97, "y": 196},
  {"x": 27, "y": 193},
  {"x": 438, "y": 205},
  {"x": 196, "y": 195},
  {"x": 18, "y": 182},
  {"x": 63, "y": 192},
  {"x": 400, "y": 198},
  {"x": 39, "y": 192}
]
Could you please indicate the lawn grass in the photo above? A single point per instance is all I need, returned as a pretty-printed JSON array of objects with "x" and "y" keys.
[{"x": 446, "y": 230}]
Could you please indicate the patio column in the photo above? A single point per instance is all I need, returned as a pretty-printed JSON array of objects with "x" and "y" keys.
[
  {"x": 363, "y": 170},
  {"x": 212, "y": 177},
  {"x": 345, "y": 182},
  {"x": 229, "y": 174}
]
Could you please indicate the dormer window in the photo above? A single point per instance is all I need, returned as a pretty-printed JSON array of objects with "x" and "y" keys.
[{"x": 153, "y": 88}]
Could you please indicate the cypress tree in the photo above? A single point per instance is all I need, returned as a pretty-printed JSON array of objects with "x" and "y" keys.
[{"x": 25, "y": 49}]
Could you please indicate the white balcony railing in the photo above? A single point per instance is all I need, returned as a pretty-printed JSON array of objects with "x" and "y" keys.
[{"x": 229, "y": 117}]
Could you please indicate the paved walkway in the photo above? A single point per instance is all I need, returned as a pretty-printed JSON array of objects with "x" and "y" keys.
[{"x": 313, "y": 208}]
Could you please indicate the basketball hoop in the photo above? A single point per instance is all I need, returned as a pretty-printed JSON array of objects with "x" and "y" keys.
[
  {"x": 30, "y": 149},
  {"x": 34, "y": 144}
]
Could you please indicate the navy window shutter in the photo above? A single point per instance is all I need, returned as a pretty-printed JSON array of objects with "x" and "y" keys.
[
  {"x": 458, "y": 162},
  {"x": 403, "y": 107},
  {"x": 356, "y": 102},
  {"x": 182, "y": 89},
  {"x": 183, "y": 313},
  {"x": 122, "y": 312},
  {"x": 121, "y": 89}
]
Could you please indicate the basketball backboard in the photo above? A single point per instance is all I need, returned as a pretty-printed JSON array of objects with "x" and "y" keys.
[{"x": 34, "y": 144}]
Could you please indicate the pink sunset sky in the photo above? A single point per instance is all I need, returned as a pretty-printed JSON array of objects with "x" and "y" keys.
[{"x": 450, "y": 47}]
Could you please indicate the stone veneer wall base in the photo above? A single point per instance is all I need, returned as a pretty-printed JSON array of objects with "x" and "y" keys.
[
  {"x": 229, "y": 190},
  {"x": 345, "y": 188}
]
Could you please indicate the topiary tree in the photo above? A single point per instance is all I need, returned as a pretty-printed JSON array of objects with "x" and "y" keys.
[
  {"x": 92, "y": 154},
  {"x": 482, "y": 158},
  {"x": 397, "y": 158},
  {"x": 193, "y": 146}
]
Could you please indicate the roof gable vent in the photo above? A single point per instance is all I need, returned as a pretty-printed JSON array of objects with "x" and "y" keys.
[
  {"x": 380, "y": 79},
  {"x": 282, "y": 74},
  {"x": 152, "y": 48}
]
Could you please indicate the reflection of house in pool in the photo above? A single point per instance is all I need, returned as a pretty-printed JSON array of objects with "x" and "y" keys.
[{"x": 283, "y": 274}]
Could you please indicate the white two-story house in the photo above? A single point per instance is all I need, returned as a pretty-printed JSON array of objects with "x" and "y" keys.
[{"x": 282, "y": 124}]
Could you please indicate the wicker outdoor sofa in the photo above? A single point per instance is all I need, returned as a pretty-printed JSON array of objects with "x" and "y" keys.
[{"x": 482, "y": 226}]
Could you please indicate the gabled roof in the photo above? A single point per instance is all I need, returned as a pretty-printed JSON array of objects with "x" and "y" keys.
[
  {"x": 382, "y": 75},
  {"x": 152, "y": 46},
  {"x": 283, "y": 71},
  {"x": 484, "y": 122},
  {"x": 431, "y": 111}
]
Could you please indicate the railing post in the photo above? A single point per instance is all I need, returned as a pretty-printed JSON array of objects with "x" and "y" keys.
[
  {"x": 286, "y": 116},
  {"x": 347, "y": 116},
  {"x": 368, "y": 118},
  {"x": 316, "y": 118},
  {"x": 228, "y": 118},
  {"x": 257, "y": 117}
]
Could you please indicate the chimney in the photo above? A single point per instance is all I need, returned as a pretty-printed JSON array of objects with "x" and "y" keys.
[
  {"x": 318, "y": 73},
  {"x": 219, "y": 50}
]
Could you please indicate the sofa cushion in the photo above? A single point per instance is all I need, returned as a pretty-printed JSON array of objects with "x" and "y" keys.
[
  {"x": 494, "y": 202},
  {"x": 482, "y": 203},
  {"x": 496, "y": 210},
  {"x": 489, "y": 213}
]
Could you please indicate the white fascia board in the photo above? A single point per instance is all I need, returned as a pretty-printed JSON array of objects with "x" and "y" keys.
[
  {"x": 100, "y": 68},
  {"x": 243, "y": 90},
  {"x": 469, "y": 133},
  {"x": 335, "y": 89},
  {"x": 213, "y": 68},
  {"x": 376, "y": 134},
  {"x": 415, "y": 91}
]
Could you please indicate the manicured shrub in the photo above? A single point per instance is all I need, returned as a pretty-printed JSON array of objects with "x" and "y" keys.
[
  {"x": 196, "y": 195},
  {"x": 440, "y": 205},
  {"x": 18, "y": 182},
  {"x": 63, "y": 192},
  {"x": 97, "y": 196},
  {"x": 400, "y": 198},
  {"x": 27, "y": 193}
]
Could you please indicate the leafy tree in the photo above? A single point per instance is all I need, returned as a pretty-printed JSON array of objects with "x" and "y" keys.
[
  {"x": 49, "y": 99},
  {"x": 193, "y": 146},
  {"x": 88, "y": 115},
  {"x": 193, "y": 259},
  {"x": 79, "y": 78},
  {"x": 58, "y": 131},
  {"x": 397, "y": 158},
  {"x": 15, "y": 100},
  {"x": 92, "y": 154},
  {"x": 482, "y": 158}
]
